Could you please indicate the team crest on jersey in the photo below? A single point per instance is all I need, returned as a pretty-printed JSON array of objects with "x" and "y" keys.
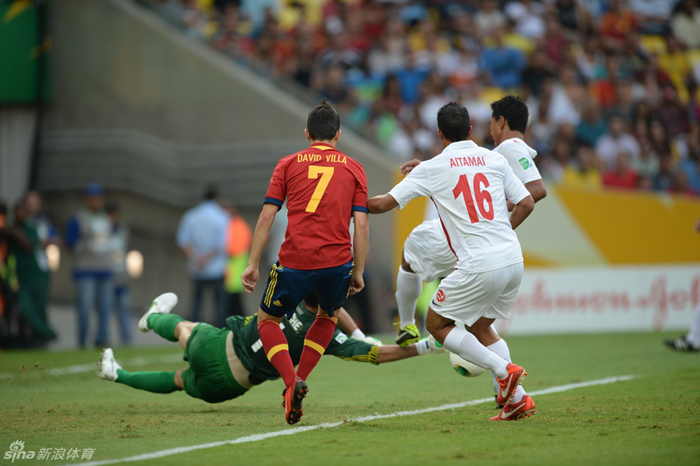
[
  {"x": 525, "y": 163},
  {"x": 440, "y": 296}
]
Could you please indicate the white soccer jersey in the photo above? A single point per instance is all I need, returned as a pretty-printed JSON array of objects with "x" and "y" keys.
[
  {"x": 469, "y": 185},
  {"x": 520, "y": 157}
]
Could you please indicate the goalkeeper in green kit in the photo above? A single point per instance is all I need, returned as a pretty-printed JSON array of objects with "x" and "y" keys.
[{"x": 224, "y": 363}]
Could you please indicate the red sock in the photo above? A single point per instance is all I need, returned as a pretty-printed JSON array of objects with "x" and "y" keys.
[
  {"x": 315, "y": 344},
  {"x": 277, "y": 350}
]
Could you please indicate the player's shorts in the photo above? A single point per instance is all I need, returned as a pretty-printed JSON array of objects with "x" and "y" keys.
[
  {"x": 427, "y": 252},
  {"x": 288, "y": 287},
  {"x": 466, "y": 297},
  {"x": 209, "y": 376}
]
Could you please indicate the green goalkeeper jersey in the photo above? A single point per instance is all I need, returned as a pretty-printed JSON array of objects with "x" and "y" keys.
[{"x": 249, "y": 348}]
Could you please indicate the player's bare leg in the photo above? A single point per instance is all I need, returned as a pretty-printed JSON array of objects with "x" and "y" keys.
[
  {"x": 408, "y": 289},
  {"x": 183, "y": 330}
]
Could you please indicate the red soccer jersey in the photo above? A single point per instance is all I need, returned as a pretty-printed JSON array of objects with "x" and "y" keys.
[{"x": 323, "y": 187}]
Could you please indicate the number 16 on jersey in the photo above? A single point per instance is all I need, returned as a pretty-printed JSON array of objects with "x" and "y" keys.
[{"x": 482, "y": 197}]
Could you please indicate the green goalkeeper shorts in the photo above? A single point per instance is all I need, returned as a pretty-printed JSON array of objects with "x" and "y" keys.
[{"x": 209, "y": 376}]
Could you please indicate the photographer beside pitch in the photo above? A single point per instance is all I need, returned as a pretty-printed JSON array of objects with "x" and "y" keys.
[{"x": 470, "y": 187}]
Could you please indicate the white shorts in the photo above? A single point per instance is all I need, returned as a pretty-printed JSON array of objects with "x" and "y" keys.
[
  {"x": 427, "y": 252},
  {"x": 466, "y": 297}
]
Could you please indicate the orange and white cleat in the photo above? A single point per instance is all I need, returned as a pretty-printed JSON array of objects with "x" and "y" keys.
[
  {"x": 514, "y": 411},
  {"x": 293, "y": 397},
  {"x": 509, "y": 384}
]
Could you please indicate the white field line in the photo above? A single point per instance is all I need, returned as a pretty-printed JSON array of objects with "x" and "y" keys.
[
  {"x": 92, "y": 367},
  {"x": 298, "y": 430}
]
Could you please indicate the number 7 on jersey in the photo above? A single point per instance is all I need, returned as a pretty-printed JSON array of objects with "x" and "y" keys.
[{"x": 326, "y": 175}]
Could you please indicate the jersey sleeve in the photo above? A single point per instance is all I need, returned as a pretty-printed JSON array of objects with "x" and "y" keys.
[
  {"x": 350, "y": 349},
  {"x": 523, "y": 165},
  {"x": 416, "y": 184},
  {"x": 277, "y": 191},
  {"x": 359, "y": 200},
  {"x": 514, "y": 188}
]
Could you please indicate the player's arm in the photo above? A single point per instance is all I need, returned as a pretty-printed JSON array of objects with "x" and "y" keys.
[
  {"x": 351, "y": 349},
  {"x": 519, "y": 195},
  {"x": 521, "y": 211},
  {"x": 537, "y": 190},
  {"x": 360, "y": 247},
  {"x": 260, "y": 237},
  {"x": 381, "y": 204},
  {"x": 414, "y": 185}
]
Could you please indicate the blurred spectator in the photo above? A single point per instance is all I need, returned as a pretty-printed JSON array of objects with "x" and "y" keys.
[
  {"x": 647, "y": 164},
  {"x": 88, "y": 237},
  {"x": 31, "y": 286},
  {"x": 410, "y": 78},
  {"x": 686, "y": 23},
  {"x": 631, "y": 58},
  {"x": 652, "y": 15},
  {"x": 239, "y": 237},
  {"x": 617, "y": 23},
  {"x": 584, "y": 173},
  {"x": 8, "y": 279},
  {"x": 617, "y": 140},
  {"x": 488, "y": 18},
  {"x": 119, "y": 238},
  {"x": 202, "y": 237},
  {"x": 592, "y": 125},
  {"x": 45, "y": 229},
  {"x": 680, "y": 186},
  {"x": 622, "y": 175},
  {"x": 664, "y": 180},
  {"x": 47, "y": 235},
  {"x": 504, "y": 65}
]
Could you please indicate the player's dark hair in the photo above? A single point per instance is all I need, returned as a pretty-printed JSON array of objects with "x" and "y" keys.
[
  {"x": 513, "y": 110},
  {"x": 311, "y": 300},
  {"x": 323, "y": 122},
  {"x": 453, "y": 122},
  {"x": 211, "y": 193}
]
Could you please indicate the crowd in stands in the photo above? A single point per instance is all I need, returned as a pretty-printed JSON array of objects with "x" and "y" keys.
[{"x": 612, "y": 85}]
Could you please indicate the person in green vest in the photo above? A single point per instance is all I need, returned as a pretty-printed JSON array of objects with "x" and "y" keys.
[{"x": 32, "y": 275}]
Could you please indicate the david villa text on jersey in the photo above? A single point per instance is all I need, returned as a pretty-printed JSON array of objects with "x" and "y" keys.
[{"x": 335, "y": 158}]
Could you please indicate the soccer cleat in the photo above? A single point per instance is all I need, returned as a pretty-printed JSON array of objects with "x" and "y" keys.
[
  {"x": 163, "y": 304},
  {"x": 293, "y": 397},
  {"x": 681, "y": 344},
  {"x": 514, "y": 411},
  {"x": 108, "y": 366},
  {"x": 509, "y": 384},
  {"x": 408, "y": 335},
  {"x": 498, "y": 406}
]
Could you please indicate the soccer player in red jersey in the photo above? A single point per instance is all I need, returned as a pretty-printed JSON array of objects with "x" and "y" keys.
[{"x": 324, "y": 189}]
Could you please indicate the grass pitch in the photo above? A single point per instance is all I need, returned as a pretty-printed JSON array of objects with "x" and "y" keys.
[{"x": 652, "y": 419}]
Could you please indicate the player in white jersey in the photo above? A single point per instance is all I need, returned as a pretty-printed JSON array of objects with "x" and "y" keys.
[
  {"x": 426, "y": 255},
  {"x": 470, "y": 187}
]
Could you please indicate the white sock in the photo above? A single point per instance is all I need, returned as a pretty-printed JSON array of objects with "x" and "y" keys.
[
  {"x": 466, "y": 345},
  {"x": 357, "y": 333},
  {"x": 408, "y": 289},
  {"x": 422, "y": 347},
  {"x": 693, "y": 336},
  {"x": 501, "y": 349}
]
